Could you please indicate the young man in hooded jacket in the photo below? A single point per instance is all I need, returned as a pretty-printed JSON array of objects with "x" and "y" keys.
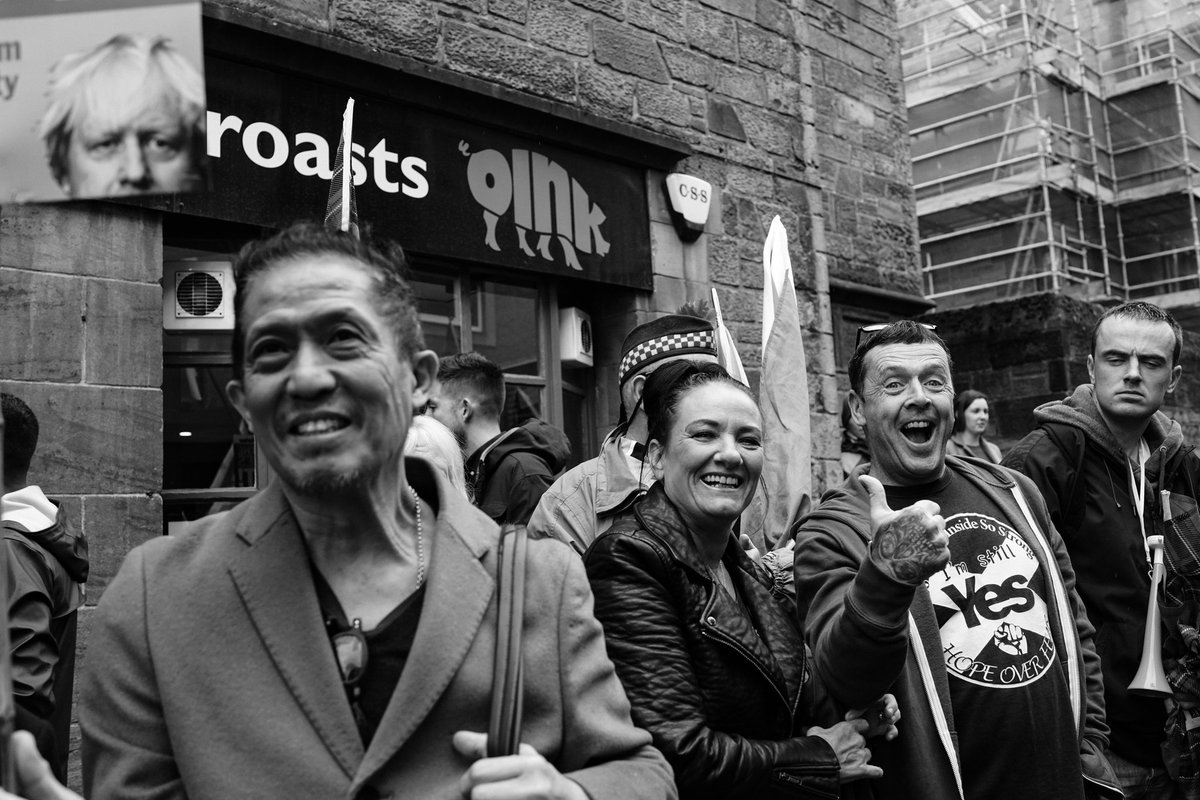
[
  {"x": 1101, "y": 459},
  {"x": 507, "y": 471},
  {"x": 46, "y": 562}
]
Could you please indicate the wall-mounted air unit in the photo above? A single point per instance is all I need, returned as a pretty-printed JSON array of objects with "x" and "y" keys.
[
  {"x": 197, "y": 296},
  {"x": 575, "y": 341}
]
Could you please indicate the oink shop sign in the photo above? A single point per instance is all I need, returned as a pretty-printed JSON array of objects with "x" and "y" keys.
[{"x": 438, "y": 182}]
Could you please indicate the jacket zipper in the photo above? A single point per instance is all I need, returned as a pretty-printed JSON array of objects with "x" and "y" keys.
[{"x": 721, "y": 636}]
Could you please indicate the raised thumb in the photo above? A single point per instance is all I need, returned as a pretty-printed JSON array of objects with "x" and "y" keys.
[{"x": 875, "y": 494}]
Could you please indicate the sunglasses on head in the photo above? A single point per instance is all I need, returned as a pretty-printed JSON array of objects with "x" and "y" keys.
[{"x": 875, "y": 327}]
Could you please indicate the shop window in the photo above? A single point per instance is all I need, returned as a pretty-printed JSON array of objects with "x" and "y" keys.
[
  {"x": 515, "y": 325},
  {"x": 205, "y": 444},
  {"x": 507, "y": 329},
  {"x": 210, "y": 462},
  {"x": 579, "y": 418},
  {"x": 439, "y": 307}
]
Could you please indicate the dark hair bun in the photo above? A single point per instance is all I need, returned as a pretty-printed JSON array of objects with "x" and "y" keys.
[{"x": 666, "y": 385}]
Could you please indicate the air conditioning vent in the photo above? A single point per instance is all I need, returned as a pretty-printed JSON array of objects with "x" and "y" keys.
[
  {"x": 197, "y": 296},
  {"x": 575, "y": 337}
]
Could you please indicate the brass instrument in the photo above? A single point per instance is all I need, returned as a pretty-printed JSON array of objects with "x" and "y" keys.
[{"x": 1151, "y": 679}]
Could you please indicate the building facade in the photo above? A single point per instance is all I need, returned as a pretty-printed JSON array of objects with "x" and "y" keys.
[
  {"x": 1055, "y": 167},
  {"x": 1054, "y": 148},
  {"x": 518, "y": 150}
]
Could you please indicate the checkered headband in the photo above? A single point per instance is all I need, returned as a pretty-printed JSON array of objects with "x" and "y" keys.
[{"x": 666, "y": 337}]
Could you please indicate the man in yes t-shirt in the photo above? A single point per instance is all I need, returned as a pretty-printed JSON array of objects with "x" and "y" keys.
[
  {"x": 961, "y": 603},
  {"x": 991, "y": 603}
]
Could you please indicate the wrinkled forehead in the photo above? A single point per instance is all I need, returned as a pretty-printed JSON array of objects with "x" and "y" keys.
[
  {"x": 122, "y": 90},
  {"x": 297, "y": 288},
  {"x": 910, "y": 359}
]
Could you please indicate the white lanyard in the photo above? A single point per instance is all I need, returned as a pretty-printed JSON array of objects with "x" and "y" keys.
[{"x": 1137, "y": 489}]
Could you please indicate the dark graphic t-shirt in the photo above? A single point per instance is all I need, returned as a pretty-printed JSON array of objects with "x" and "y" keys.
[{"x": 1008, "y": 688}]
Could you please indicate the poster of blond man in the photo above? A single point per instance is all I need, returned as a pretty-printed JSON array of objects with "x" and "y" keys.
[{"x": 100, "y": 98}]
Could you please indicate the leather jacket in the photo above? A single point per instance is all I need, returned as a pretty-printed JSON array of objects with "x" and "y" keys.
[{"x": 723, "y": 686}]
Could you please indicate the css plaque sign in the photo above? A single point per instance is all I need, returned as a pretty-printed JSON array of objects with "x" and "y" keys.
[{"x": 100, "y": 98}]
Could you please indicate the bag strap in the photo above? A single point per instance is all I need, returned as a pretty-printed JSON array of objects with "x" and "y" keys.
[
  {"x": 1073, "y": 508},
  {"x": 504, "y": 725}
]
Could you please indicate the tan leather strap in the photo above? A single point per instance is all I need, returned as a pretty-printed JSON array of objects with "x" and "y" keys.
[{"x": 504, "y": 726}]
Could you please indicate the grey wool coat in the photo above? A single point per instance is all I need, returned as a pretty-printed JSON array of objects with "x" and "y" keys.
[{"x": 210, "y": 674}]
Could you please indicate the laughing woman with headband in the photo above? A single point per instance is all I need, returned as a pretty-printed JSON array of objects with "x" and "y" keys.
[{"x": 714, "y": 667}]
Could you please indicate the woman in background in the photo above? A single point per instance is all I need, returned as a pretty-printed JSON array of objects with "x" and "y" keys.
[{"x": 970, "y": 422}]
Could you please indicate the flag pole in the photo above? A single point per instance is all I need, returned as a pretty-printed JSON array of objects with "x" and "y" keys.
[
  {"x": 347, "y": 173},
  {"x": 727, "y": 352},
  {"x": 341, "y": 211}
]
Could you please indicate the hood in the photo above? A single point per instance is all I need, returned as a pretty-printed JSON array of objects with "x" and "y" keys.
[
  {"x": 533, "y": 436},
  {"x": 39, "y": 519},
  {"x": 1163, "y": 435}
]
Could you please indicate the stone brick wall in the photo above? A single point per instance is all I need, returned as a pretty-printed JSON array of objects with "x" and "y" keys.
[
  {"x": 81, "y": 344},
  {"x": 792, "y": 108}
]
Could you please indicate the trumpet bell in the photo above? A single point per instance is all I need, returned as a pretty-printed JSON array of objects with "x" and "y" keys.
[{"x": 1151, "y": 679}]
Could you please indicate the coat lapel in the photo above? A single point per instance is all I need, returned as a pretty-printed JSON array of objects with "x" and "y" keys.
[
  {"x": 457, "y": 596},
  {"x": 274, "y": 579}
]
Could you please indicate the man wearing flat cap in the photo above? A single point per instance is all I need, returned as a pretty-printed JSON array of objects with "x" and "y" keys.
[{"x": 583, "y": 502}]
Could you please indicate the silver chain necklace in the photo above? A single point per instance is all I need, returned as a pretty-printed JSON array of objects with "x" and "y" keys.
[{"x": 420, "y": 539}]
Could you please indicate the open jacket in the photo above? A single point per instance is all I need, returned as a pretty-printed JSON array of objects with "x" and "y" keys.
[
  {"x": 210, "y": 673},
  {"x": 508, "y": 475},
  {"x": 1083, "y": 474},
  {"x": 46, "y": 563},
  {"x": 585, "y": 500},
  {"x": 870, "y": 634},
  {"x": 724, "y": 690}
]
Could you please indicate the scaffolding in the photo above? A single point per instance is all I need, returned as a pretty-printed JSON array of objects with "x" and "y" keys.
[{"x": 1054, "y": 147}]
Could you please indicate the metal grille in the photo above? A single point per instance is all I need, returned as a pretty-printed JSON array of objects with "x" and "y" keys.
[{"x": 199, "y": 294}]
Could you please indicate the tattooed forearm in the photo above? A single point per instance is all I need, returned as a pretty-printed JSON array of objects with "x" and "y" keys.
[{"x": 909, "y": 548}]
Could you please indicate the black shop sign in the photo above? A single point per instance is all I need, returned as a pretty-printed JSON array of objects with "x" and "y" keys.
[{"x": 437, "y": 181}]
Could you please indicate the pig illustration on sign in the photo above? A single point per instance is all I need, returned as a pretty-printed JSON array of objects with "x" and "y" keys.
[{"x": 544, "y": 199}]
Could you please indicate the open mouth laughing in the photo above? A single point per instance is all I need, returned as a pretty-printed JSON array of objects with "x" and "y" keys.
[{"x": 918, "y": 431}]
